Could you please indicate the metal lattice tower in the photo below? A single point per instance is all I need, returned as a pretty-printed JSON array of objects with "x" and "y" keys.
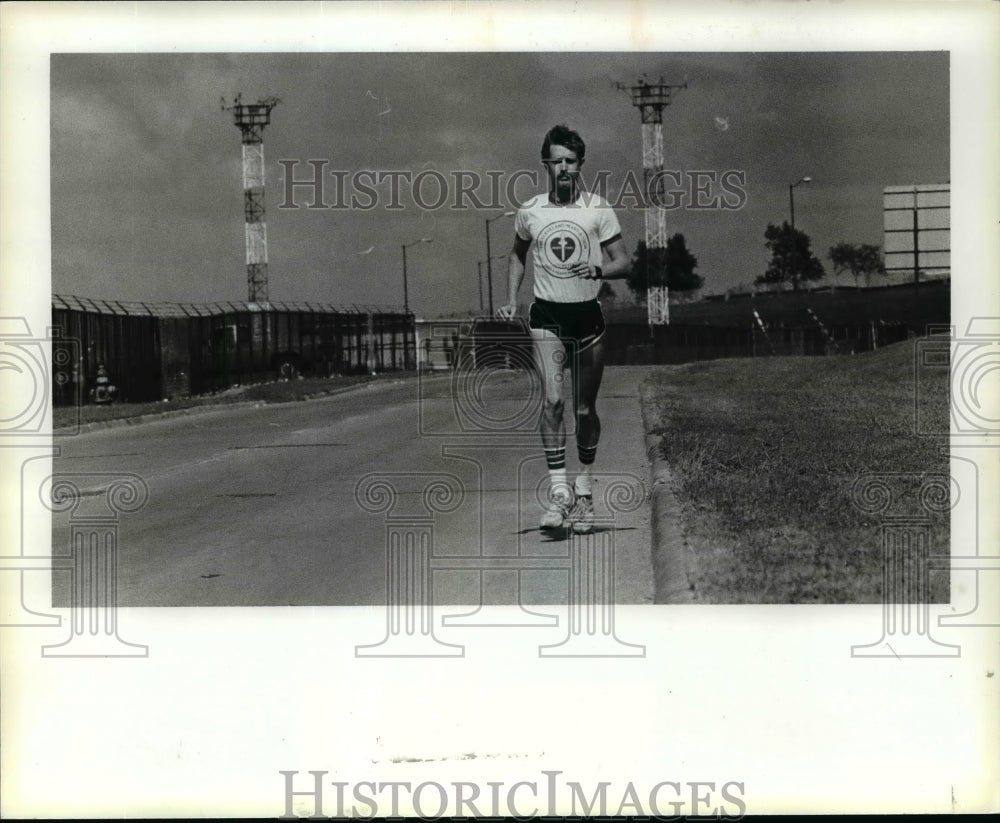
[
  {"x": 651, "y": 99},
  {"x": 250, "y": 119}
]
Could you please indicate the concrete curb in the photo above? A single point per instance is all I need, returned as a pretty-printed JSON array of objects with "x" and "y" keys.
[
  {"x": 118, "y": 422},
  {"x": 671, "y": 577}
]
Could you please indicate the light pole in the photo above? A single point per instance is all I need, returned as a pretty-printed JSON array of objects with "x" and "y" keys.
[
  {"x": 795, "y": 245},
  {"x": 482, "y": 308},
  {"x": 791, "y": 196},
  {"x": 406, "y": 292},
  {"x": 489, "y": 258}
]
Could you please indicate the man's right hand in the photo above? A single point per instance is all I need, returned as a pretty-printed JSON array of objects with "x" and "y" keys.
[{"x": 507, "y": 311}]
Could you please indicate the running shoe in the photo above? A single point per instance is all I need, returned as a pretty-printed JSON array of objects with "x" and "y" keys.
[
  {"x": 558, "y": 511},
  {"x": 582, "y": 514}
]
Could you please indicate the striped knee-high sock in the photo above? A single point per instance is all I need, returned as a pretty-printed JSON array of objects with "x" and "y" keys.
[
  {"x": 585, "y": 480},
  {"x": 555, "y": 459}
]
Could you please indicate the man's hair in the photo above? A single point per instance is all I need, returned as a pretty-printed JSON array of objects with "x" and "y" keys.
[{"x": 565, "y": 137}]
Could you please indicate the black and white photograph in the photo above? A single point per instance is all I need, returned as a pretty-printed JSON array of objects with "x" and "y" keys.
[
  {"x": 333, "y": 241},
  {"x": 499, "y": 409}
]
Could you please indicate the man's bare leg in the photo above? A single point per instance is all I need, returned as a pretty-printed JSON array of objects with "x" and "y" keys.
[
  {"x": 587, "y": 373},
  {"x": 550, "y": 359}
]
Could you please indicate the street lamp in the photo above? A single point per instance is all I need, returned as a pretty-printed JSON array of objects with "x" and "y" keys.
[
  {"x": 795, "y": 247},
  {"x": 489, "y": 259},
  {"x": 406, "y": 293},
  {"x": 791, "y": 196}
]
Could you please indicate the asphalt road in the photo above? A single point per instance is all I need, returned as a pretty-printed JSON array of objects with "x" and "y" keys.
[{"x": 304, "y": 503}]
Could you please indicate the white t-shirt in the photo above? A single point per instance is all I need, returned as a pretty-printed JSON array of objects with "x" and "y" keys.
[{"x": 562, "y": 236}]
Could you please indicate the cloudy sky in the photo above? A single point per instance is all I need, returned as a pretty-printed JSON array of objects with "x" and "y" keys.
[{"x": 147, "y": 186}]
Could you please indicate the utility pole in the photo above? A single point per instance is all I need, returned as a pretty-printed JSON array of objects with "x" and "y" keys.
[
  {"x": 489, "y": 257},
  {"x": 498, "y": 257},
  {"x": 250, "y": 119},
  {"x": 651, "y": 99},
  {"x": 406, "y": 287}
]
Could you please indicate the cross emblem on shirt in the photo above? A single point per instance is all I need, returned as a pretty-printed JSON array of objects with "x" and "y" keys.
[{"x": 562, "y": 247}]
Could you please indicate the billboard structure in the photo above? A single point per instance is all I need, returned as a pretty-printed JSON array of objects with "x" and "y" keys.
[{"x": 917, "y": 226}]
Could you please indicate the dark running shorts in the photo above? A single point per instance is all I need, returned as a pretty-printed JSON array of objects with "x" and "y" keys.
[{"x": 581, "y": 323}]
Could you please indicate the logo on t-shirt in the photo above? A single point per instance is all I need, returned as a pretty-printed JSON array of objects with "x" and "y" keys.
[
  {"x": 563, "y": 244},
  {"x": 562, "y": 247}
]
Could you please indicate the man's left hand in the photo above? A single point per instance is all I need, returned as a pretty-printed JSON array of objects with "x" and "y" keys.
[{"x": 586, "y": 271}]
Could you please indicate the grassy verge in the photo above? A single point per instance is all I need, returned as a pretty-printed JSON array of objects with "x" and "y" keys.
[
  {"x": 282, "y": 391},
  {"x": 764, "y": 454}
]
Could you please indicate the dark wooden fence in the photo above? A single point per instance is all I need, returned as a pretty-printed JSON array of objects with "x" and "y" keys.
[
  {"x": 168, "y": 350},
  {"x": 818, "y": 322},
  {"x": 154, "y": 351}
]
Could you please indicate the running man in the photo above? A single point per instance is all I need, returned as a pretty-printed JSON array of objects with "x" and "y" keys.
[{"x": 577, "y": 243}]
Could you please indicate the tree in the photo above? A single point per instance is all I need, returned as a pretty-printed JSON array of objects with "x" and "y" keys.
[
  {"x": 672, "y": 266},
  {"x": 792, "y": 260},
  {"x": 865, "y": 259}
]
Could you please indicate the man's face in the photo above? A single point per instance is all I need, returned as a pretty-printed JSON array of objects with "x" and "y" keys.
[{"x": 563, "y": 167}]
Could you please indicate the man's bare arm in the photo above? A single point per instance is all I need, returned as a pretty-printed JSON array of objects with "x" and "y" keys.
[
  {"x": 515, "y": 276},
  {"x": 615, "y": 264}
]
